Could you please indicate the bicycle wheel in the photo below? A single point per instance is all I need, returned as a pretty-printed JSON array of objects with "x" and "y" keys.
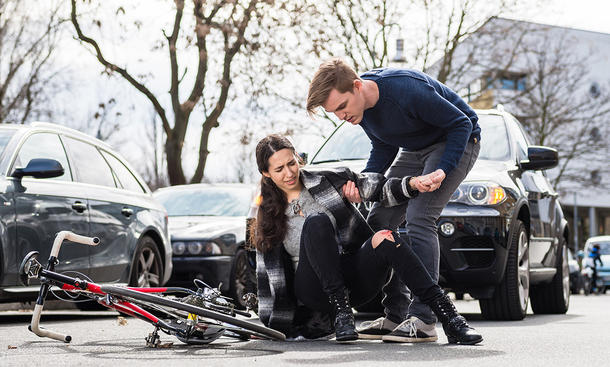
[{"x": 232, "y": 323}]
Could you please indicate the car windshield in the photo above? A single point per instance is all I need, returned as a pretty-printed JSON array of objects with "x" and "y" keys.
[
  {"x": 206, "y": 201},
  {"x": 350, "y": 143},
  {"x": 5, "y": 136},
  {"x": 604, "y": 247}
]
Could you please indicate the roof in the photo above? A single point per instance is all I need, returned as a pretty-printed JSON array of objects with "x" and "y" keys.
[{"x": 598, "y": 238}]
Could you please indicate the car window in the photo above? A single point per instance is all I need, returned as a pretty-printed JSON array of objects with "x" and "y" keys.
[
  {"x": 494, "y": 138},
  {"x": 350, "y": 143},
  {"x": 205, "y": 201},
  {"x": 44, "y": 145},
  {"x": 90, "y": 165},
  {"x": 5, "y": 136},
  {"x": 604, "y": 247},
  {"x": 519, "y": 138},
  {"x": 346, "y": 143},
  {"x": 126, "y": 179}
]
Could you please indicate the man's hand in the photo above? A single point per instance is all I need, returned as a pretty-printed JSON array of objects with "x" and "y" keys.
[
  {"x": 430, "y": 182},
  {"x": 351, "y": 193}
]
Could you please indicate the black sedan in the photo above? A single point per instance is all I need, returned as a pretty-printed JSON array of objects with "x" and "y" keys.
[
  {"x": 503, "y": 236},
  {"x": 207, "y": 226},
  {"x": 53, "y": 179}
]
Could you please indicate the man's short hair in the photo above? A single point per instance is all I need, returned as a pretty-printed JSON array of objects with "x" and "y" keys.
[{"x": 332, "y": 74}]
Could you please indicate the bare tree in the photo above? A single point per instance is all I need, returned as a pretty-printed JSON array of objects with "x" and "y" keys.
[
  {"x": 27, "y": 45},
  {"x": 221, "y": 30},
  {"x": 364, "y": 33},
  {"x": 561, "y": 108},
  {"x": 539, "y": 74},
  {"x": 152, "y": 168}
]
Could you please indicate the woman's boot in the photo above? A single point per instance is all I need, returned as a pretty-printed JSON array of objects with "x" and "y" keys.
[
  {"x": 345, "y": 326},
  {"x": 455, "y": 326}
]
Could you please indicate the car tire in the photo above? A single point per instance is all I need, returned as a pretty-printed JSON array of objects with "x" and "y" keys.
[
  {"x": 243, "y": 278},
  {"x": 511, "y": 296},
  {"x": 147, "y": 267},
  {"x": 554, "y": 297}
]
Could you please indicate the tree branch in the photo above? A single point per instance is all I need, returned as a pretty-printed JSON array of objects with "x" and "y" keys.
[{"x": 112, "y": 67}]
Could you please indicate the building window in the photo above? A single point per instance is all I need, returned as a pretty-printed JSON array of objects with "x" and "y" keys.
[
  {"x": 595, "y": 134},
  {"x": 507, "y": 80},
  {"x": 596, "y": 177},
  {"x": 595, "y": 90}
]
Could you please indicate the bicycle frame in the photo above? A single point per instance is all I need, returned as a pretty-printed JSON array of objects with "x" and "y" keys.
[{"x": 31, "y": 268}]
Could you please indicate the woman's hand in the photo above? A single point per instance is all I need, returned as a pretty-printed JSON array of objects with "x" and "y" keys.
[{"x": 351, "y": 193}]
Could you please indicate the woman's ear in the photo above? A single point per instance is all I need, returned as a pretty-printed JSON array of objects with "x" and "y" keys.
[{"x": 266, "y": 174}]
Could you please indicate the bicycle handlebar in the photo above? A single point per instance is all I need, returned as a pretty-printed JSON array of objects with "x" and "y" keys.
[
  {"x": 70, "y": 236},
  {"x": 59, "y": 239},
  {"x": 35, "y": 328}
]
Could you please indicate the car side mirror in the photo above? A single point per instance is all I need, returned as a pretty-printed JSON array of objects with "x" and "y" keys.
[
  {"x": 303, "y": 157},
  {"x": 540, "y": 158},
  {"x": 40, "y": 168}
]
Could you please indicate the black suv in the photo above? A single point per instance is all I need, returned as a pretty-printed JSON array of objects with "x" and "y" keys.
[
  {"x": 53, "y": 178},
  {"x": 503, "y": 236}
]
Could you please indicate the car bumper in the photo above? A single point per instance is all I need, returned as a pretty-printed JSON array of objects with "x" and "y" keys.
[
  {"x": 475, "y": 254},
  {"x": 213, "y": 270}
]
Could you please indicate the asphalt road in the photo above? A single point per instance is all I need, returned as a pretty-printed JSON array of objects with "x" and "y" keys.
[{"x": 581, "y": 337}]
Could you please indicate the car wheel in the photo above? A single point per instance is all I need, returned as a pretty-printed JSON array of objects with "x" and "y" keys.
[
  {"x": 555, "y": 296},
  {"x": 511, "y": 296},
  {"x": 147, "y": 268},
  {"x": 243, "y": 278}
]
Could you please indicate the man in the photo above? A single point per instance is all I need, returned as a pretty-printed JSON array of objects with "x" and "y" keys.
[{"x": 418, "y": 127}]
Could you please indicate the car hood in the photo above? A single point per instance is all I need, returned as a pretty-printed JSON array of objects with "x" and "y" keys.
[
  {"x": 206, "y": 227},
  {"x": 485, "y": 170},
  {"x": 354, "y": 165}
]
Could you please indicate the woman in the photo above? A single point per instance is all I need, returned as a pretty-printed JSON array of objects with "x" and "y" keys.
[{"x": 314, "y": 247}]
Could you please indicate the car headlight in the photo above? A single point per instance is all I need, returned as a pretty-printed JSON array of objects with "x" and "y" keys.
[
  {"x": 178, "y": 248},
  {"x": 194, "y": 248},
  {"x": 478, "y": 193},
  {"x": 201, "y": 248}
]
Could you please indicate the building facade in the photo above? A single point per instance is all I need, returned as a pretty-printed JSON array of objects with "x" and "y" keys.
[{"x": 556, "y": 81}]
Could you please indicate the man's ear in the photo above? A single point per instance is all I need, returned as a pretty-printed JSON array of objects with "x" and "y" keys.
[{"x": 357, "y": 83}]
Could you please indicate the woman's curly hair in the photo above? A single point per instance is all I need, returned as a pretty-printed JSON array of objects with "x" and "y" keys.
[{"x": 270, "y": 227}]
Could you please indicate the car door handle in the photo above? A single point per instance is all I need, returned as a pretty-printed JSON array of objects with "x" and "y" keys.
[
  {"x": 127, "y": 212},
  {"x": 79, "y": 207}
]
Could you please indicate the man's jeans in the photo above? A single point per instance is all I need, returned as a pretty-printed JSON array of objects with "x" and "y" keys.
[{"x": 422, "y": 213}]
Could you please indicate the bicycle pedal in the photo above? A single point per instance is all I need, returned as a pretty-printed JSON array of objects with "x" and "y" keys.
[{"x": 153, "y": 340}]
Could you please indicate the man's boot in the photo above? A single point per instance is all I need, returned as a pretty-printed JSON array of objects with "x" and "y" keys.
[
  {"x": 455, "y": 326},
  {"x": 345, "y": 326}
]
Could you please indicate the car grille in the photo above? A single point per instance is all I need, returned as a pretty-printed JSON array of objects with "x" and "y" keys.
[{"x": 478, "y": 252}]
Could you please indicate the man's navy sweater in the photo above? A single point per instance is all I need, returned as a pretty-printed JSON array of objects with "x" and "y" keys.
[{"x": 415, "y": 111}]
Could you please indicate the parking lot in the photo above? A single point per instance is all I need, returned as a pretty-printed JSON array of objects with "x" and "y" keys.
[{"x": 99, "y": 338}]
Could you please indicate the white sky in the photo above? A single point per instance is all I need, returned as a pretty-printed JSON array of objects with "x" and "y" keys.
[{"x": 592, "y": 15}]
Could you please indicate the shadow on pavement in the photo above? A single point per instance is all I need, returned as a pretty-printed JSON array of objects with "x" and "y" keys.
[
  {"x": 314, "y": 352},
  {"x": 25, "y": 317}
]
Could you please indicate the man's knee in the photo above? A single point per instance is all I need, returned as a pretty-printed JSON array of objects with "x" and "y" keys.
[{"x": 378, "y": 237}]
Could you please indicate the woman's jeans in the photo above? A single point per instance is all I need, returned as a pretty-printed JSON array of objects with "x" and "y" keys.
[{"x": 322, "y": 270}]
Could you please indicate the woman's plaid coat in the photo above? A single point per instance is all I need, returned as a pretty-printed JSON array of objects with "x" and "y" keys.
[{"x": 276, "y": 300}]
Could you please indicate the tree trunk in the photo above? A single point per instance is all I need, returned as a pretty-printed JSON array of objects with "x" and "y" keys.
[
  {"x": 203, "y": 153},
  {"x": 173, "y": 151}
]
